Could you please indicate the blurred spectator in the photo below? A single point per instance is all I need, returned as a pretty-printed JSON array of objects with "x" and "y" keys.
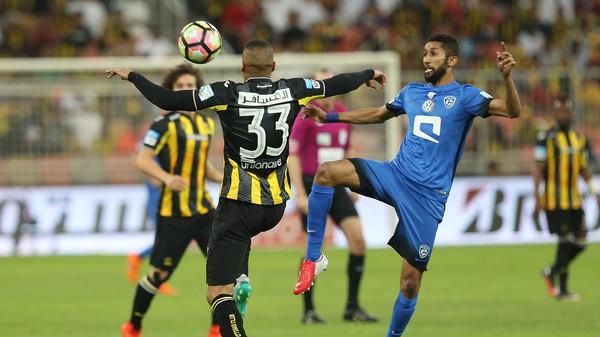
[{"x": 293, "y": 37}]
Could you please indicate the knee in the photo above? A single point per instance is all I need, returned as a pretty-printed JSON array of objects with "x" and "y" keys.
[
  {"x": 214, "y": 291},
  {"x": 357, "y": 245},
  {"x": 410, "y": 286},
  {"x": 325, "y": 174},
  {"x": 159, "y": 276}
]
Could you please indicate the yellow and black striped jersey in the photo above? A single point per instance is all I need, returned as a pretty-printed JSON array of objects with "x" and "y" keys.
[
  {"x": 257, "y": 117},
  {"x": 564, "y": 154},
  {"x": 180, "y": 142}
]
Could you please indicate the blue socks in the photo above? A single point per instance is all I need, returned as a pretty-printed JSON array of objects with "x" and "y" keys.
[
  {"x": 403, "y": 311},
  {"x": 146, "y": 252},
  {"x": 319, "y": 203}
]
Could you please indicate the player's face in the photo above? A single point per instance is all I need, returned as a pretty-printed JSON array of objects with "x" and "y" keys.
[
  {"x": 434, "y": 61},
  {"x": 185, "y": 82},
  {"x": 562, "y": 113}
]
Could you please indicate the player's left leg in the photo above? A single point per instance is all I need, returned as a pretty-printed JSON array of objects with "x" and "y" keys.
[
  {"x": 575, "y": 244},
  {"x": 404, "y": 307},
  {"x": 346, "y": 217},
  {"x": 352, "y": 229}
]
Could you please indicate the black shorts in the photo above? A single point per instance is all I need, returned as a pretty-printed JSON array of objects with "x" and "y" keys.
[
  {"x": 173, "y": 236},
  {"x": 342, "y": 206},
  {"x": 565, "y": 222},
  {"x": 236, "y": 222}
]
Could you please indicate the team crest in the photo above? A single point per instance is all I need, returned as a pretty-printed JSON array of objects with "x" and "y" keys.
[
  {"x": 424, "y": 251},
  {"x": 449, "y": 101},
  {"x": 428, "y": 105}
]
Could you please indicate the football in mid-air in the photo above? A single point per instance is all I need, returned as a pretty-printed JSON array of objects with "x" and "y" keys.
[{"x": 199, "y": 42}]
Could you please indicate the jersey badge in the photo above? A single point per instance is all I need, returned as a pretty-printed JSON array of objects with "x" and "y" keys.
[
  {"x": 205, "y": 92},
  {"x": 449, "y": 101}
]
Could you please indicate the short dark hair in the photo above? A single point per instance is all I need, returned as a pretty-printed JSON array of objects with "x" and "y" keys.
[
  {"x": 183, "y": 69},
  {"x": 449, "y": 43},
  {"x": 258, "y": 55},
  {"x": 258, "y": 43}
]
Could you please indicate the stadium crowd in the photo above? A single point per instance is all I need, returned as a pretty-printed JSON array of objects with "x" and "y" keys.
[{"x": 546, "y": 32}]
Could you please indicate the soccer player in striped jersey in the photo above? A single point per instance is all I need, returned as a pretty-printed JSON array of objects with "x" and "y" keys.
[
  {"x": 257, "y": 116},
  {"x": 418, "y": 180},
  {"x": 175, "y": 152},
  {"x": 562, "y": 155}
]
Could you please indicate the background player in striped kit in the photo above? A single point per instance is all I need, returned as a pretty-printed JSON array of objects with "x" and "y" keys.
[
  {"x": 562, "y": 155},
  {"x": 311, "y": 144}
]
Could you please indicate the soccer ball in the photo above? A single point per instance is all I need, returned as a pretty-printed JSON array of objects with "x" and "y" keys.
[{"x": 199, "y": 42}]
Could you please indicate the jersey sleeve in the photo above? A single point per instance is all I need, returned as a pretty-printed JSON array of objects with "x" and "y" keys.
[
  {"x": 298, "y": 135},
  {"x": 541, "y": 150},
  {"x": 156, "y": 137},
  {"x": 215, "y": 96},
  {"x": 476, "y": 101},
  {"x": 396, "y": 106},
  {"x": 306, "y": 89}
]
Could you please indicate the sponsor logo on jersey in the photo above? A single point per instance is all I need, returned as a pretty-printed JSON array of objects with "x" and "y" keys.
[
  {"x": 205, "y": 92},
  {"x": 151, "y": 138},
  {"x": 424, "y": 251},
  {"x": 250, "y": 164},
  {"x": 308, "y": 83},
  {"x": 253, "y": 99},
  {"x": 428, "y": 105},
  {"x": 449, "y": 101}
]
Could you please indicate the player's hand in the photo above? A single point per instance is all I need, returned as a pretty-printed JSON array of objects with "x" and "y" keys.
[
  {"x": 123, "y": 73},
  {"x": 378, "y": 77},
  {"x": 302, "y": 204},
  {"x": 314, "y": 112},
  {"x": 505, "y": 61},
  {"x": 176, "y": 183}
]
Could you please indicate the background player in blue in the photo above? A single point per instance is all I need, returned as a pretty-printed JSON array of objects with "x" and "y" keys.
[{"x": 417, "y": 181}]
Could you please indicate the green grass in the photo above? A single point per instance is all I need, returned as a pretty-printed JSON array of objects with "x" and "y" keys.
[{"x": 469, "y": 291}]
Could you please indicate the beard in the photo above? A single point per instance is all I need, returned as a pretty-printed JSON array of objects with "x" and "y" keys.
[{"x": 436, "y": 75}]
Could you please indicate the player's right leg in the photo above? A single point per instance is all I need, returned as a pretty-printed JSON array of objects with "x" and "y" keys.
[
  {"x": 171, "y": 241},
  {"x": 330, "y": 174},
  {"x": 404, "y": 307}
]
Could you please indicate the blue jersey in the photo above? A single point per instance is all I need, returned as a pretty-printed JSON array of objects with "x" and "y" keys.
[{"x": 439, "y": 118}]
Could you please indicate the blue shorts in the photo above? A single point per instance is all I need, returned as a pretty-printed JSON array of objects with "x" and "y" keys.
[{"x": 419, "y": 215}]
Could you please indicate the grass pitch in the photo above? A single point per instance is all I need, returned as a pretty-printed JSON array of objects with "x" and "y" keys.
[{"x": 469, "y": 291}]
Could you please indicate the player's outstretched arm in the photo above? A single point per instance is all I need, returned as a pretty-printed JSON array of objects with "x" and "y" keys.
[
  {"x": 346, "y": 82},
  {"x": 371, "y": 115},
  {"x": 511, "y": 108},
  {"x": 165, "y": 99}
]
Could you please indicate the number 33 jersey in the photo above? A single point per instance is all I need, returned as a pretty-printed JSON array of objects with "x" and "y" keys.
[
  {"x": 439, "y": 118},
  {"x": 257, "y": 117}
]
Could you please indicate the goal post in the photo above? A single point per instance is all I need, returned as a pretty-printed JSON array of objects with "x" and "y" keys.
[{"x": 44, "y": 76}]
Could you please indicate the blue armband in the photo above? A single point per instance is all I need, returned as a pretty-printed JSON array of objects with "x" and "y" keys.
[{"x": 332, "y": 117}]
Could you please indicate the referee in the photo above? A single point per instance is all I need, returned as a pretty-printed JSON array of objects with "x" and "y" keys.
[
  {"x": 562, "y": 155},
  {"x": 179, "y": 142},
  {"x": 257, "y": 116}
]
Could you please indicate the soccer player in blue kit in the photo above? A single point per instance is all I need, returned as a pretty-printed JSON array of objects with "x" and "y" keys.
[{"x": 418, "y": 180}]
